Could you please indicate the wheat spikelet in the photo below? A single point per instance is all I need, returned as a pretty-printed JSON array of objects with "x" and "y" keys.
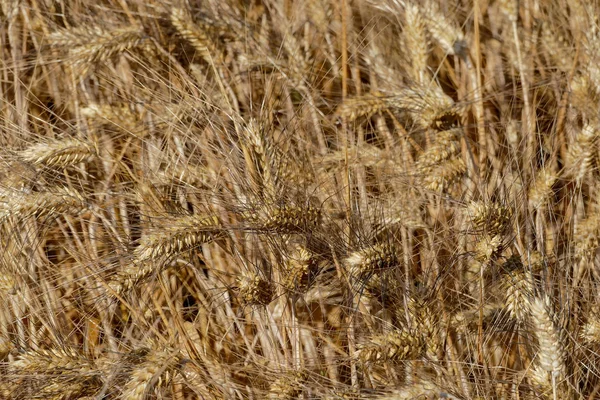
[
  {"x": 319, "y": 12},
  {"x": 541, "y": 191},
  {"x": 69, "y": 389},
  {"x": 119, "y": 115},
  {"x": 591, "y": 330},
  {"x": 468, "y": 320},
  {"x": 510, "y": 8},
  {"x": 299, "y": 271},
  {"x": 196, "y": 35},
  {"x": 133, "y": 273},
  {"x": 6, "y": 347},
  {"x": 16, "y": 176},
  {"x": 58, "y": 153},
  {"x": 416, "y": 43},
  {"x": 405, "y": 211},
  {"x": 53, "y": 361},
  {"x": 581, "y": 152},
  {"x": 384, "y": 286},
  {"x": 445, "y": 147},
  {"x": 428, "y": 106},
  {"x": 364, "y": 106},
  {"x": 177, "y": 235},
  {"x": 443, "y": 30},
  {"x": 518, "y": 286},
  {"x": 286, "y": 218},
  {"x": 8, "y": 282},
  {"x": 396, "y": 345},
  {"x": 591, "y": 41},
  {"x": 262, "y": 159},
  {"x": 289, "y": 386},
  {"x": 421, "y": 389},
  {"x": 441, "y": 177},
  {"x": 555, "y": 44},
  {"x": 487, "y": 247},
  {"x": 41, "y": 204},
  {"x": 491, "y": 218},
  {"x": 297, "y": 67},
  {"x": 540, "y": 378},
  {"x": 256, "y": 291},
  {"x": 370, "y": 260},
  {"x": 426, "y": 323},
  {"x": 587, "y": 234},
  {"x": 93, "y": 44},
  {"x": 157, "y": 367},
  {"x": 551, "y": 357}
]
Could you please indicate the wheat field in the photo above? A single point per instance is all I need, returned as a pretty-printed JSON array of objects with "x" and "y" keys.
[{"x": 317, "y": 199}]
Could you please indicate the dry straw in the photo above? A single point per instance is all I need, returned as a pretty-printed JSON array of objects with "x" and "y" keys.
[{"x": 368, "y": 198}]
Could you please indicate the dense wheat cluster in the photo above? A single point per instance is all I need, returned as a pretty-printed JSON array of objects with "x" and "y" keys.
[{"x": 318, "y": 199}]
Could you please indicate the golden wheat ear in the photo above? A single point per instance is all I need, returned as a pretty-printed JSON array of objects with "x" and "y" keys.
[
  {"x": 289, "y": 386},
  {"x": 58, "y": 153},
  {"x": 369, "y": 260},
  {"x": 42, "y": 204},
  {"x": 551, "y": 354},
  {"x": 256, "y": 290},
  {"x": 176, "y": 235},
  {"x": 396, "y": 345},
  {"x": 87, "y": 46},
  {"x": 196, "y": 36},
  {"x": 159, "y": 363}
]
